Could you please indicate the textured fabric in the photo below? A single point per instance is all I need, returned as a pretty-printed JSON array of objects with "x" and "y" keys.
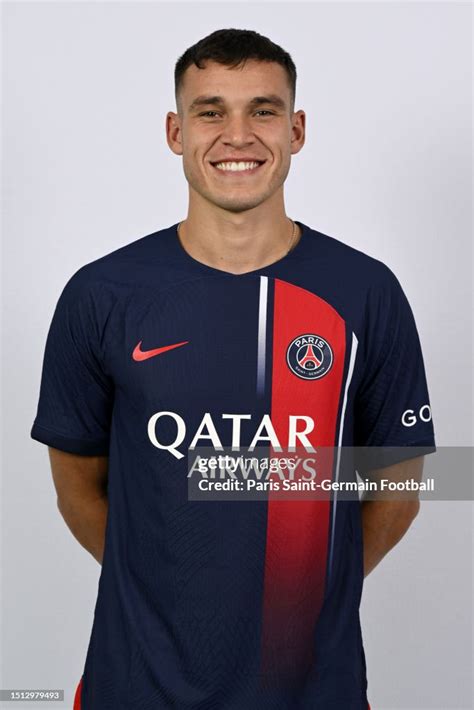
[{"x": 229, "y": 604}]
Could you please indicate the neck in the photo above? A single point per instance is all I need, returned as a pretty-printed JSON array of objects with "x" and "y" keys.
[{"x": 238, "y": 242}]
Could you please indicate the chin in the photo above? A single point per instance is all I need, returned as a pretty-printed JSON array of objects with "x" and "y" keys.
[
  {"x": 231, "y": 202},
  {"x": 239, "y": 203}
]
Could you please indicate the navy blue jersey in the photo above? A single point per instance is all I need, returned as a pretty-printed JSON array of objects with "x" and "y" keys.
[{"x": 228, "y": 604}]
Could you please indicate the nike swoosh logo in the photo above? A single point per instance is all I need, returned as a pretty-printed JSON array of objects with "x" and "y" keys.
[{"x": 139, "y": 354}]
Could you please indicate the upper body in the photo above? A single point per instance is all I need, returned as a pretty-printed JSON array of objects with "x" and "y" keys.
[{"x": 240, "y": 328}]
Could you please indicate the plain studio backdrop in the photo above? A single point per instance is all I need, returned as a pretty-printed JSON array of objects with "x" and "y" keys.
[{"x": 386, "y": 168}]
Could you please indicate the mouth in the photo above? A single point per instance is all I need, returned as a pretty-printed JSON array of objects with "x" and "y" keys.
[{"x": 241, "y": 167}]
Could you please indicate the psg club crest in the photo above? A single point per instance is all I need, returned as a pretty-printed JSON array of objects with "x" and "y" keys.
[{"x": 309, "y": 356}]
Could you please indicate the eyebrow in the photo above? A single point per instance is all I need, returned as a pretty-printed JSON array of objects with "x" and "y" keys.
[{"x": 271, "y": 99}]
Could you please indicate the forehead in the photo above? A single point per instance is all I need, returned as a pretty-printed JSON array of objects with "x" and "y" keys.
[{"x": 235, "y": 84}]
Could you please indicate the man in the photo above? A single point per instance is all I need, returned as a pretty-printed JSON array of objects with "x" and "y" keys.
[{"x": 237, "y": 320}]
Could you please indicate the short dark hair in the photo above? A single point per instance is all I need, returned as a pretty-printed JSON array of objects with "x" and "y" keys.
[{"x": 233, "y": 47}]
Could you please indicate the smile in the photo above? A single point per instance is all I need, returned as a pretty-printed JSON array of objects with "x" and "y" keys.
[{"x": 241, "y": 167}]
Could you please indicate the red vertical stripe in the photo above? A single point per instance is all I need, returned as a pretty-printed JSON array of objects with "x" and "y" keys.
[
  {"x": 77, "y": 696},
  {"x": 297, "y": 530}
]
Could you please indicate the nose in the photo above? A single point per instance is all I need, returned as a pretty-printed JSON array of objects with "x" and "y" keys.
[{"x": 237, "y": 131}]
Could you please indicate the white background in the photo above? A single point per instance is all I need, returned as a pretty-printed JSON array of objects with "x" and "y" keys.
[{"x": 386, "y": 168}]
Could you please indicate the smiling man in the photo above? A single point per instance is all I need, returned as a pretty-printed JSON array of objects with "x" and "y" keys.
[
  {"x": 236, "y": 130},
  {"x": 235, "y": 327}
]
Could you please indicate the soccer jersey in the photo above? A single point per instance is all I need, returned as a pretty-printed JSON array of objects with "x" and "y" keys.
[{"x": 229, "y": 604}]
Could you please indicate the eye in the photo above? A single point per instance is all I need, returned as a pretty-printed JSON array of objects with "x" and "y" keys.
[
  {"x": 206, "y": 113},
  {"x": 264, "y": 110}
]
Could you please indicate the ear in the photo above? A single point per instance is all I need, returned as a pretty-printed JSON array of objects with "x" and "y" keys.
[
  {"x": 298, "y": 131},
  {"x": 173, "y": 132}
]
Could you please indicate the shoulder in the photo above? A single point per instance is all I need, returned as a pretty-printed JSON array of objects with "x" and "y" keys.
[
  {"x": 348, "y": 260},
  {"x": 123, "y": 267},
  {"x": 353, "y": 270}
]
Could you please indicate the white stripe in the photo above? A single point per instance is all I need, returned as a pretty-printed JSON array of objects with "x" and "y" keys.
[
  {"x": 262, "y": 334},
  {"x": 354, "y": 345}
]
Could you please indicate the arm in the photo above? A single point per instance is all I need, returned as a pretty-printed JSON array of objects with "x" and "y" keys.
[
  {"x": 81, "y": 488},
  {"x": 385, "y": 522}
]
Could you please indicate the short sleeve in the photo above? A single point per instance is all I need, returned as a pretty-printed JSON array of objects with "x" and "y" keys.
[
  {"x": 76, "y": 394},
  {"x": 392, "y": 405}
]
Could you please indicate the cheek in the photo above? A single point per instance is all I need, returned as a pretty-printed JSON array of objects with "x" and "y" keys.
[
  {"x": 195, "y": 153},
  {"x": 277, "y": 142},
  {"x": 192, "y": 157}
]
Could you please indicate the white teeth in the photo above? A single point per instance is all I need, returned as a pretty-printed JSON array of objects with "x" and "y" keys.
[{"x": 236, "y": 166}]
